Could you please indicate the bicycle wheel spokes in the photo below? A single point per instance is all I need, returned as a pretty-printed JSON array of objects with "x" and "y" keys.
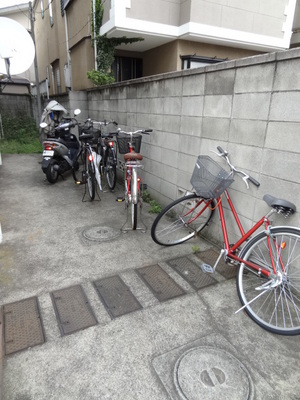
[
  {"x": 278, "y": 308},
  {"x": 111, "y": 172},
  {"x": 181, "y": 220}
]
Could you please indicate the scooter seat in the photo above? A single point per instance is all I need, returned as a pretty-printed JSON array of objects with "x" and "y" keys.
[{"x": 85, "y": 137}]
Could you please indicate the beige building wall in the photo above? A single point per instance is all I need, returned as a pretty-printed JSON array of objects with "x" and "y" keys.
[
  {"x": 50, "y": 44},
  {"x": 166, "y": 58},
  {"x": 65, "y": 47},
  {"x": 264, "y": 17}
]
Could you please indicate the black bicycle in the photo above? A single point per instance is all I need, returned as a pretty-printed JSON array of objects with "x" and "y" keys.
[
  {"x": 106, "y": 148},
  {"x": 84, "y": 171}
]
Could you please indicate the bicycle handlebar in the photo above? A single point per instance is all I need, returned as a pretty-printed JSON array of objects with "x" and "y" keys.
[
  {"x": 245, "y": 177},
  {"x": 104, "y": 122},
  {"x": 145, "y": 131}
]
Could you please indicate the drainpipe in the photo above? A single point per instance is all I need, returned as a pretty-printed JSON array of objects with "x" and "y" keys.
[
  {"x": 94, "y": 33},
  {"x": 37, "y": 81},
  {"x": 67, "y": 47}
]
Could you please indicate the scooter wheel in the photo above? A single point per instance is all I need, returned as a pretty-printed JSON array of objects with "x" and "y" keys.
[{"x": 51, "y": 172}]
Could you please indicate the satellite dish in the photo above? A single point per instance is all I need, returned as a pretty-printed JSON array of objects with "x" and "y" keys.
[{"x": 16, "y": 47}]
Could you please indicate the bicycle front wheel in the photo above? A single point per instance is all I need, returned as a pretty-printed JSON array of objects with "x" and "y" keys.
[
  {"x": 272, "y": 302},
  {"x": 134, "y": 208},
  {"x": 110, "y": 170},
  {"x": 91, "y": 178},
  {"x": 182, "y": 220}
]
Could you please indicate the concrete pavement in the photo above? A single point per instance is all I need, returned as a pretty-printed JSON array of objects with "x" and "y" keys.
[{"x": 192, "y": 346}]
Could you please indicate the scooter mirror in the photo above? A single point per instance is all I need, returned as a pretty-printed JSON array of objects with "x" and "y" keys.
[
  {"x": 77, "y": 111},
  {"x": 43, "y": 125}
]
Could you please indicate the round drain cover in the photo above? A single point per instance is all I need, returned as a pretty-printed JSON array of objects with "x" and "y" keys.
[
  {"x": 209, "y": 373},
  {"x": 100, "y": 233}
]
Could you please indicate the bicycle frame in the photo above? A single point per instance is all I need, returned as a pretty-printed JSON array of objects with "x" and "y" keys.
[
  {"x": 132, "y": 179},
  {"x": 231, "y": 249}
]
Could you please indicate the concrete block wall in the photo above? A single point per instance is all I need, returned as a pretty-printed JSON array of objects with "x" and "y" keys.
[{"x": 250, "y": 107}]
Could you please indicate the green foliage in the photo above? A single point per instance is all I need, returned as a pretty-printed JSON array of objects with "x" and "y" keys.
[
  {"x": 195, "y": 249},
  {"x": 97, "y": 20},
  {"x": 20, "y": 135},
  {"x": 105, "y": 50},
  {"x": 99, "y": 78},
  {"x": 156, "y": 208}
]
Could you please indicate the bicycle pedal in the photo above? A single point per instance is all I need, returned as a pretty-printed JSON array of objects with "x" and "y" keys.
[
  {"x": 120, "y": 199},
  {"x": 206, "y": 268}
]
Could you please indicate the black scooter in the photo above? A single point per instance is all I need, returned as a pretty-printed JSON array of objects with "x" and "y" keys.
[{"x": 60, "y": 148}]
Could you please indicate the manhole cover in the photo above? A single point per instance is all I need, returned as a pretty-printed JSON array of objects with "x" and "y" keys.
[
  {"x": 209, "y": 373},
  {"x": 72, "y": 309},
  {"x": 160, "y": 283},
  {"x": 22, "y": 325},
  {"x": 116, "y": 296},
  {"x": 100, "y": 233},
  {"x": 191, "y": 273},
  {"x": 210, "y": 256}
]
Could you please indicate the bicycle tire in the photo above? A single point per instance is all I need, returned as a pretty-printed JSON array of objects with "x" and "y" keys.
[
  {"x": 110, "y": 170},
  {"x": 134, "y": 208},
  {"x": 91, "y": 178},
  {"x": 278, "y": 308},
  {"x": 78, "y": 168},
  {"x": 134, "y": 198},
  {"x": 170, "y": 226}
]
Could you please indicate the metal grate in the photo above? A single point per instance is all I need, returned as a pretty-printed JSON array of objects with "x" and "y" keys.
[
  {"x": 116, "y": 296},
  {"x": 72, "y": 309},
  {"x": 191, "y": 273},
  {"x": 210, "y": 257},
  {"x": 160, "y": 283},
  {"x": 22, "y": 325}
]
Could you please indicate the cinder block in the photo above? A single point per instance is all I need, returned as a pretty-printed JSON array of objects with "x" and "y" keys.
[
  {"x": 193, "y": 85},
  {"x": 217, "y": 106},
  {"x": 285, "y": 106},
  {"x": 282, "y": 165},
  {"x": 251, "y": 106},
  {"x": 256, "y": 78},
  {"x": 287, "y": 75},
  {"x": 172, "y": 105},
  {"x": 216, "y": 128},
  {"x": 171, "y": 123},
  {"x": 248, "y": 132},
  {"x": 220, "y": 82},
  {"x": 191, "y": 126},
  {"x": 172, "y": 87},
  {"x": 189, "y": 145},
  {"x": 192, "y": 106},
  {"x": 284, "y": 136}
]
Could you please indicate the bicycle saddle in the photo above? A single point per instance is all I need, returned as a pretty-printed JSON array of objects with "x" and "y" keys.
[
  {"x": 280, "y": 205},
  {"x": 133, "y": 156}
]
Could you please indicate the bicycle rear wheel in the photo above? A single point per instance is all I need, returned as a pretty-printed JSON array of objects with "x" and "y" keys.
[
  {"x": 91, "y": 178},
  {"x": 110, "y": 170},
  {"x": 277, "y": 309},
  {"x": 182, "y": 220}
]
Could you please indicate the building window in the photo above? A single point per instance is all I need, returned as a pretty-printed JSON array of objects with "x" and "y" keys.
[
  {"x": 126, "y": 68},
  {"x": 50, "y": 12},
  {"x": 194, "y": 61},
  {"x": 42, "y": 8}
]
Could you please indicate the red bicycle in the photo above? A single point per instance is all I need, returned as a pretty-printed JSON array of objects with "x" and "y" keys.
[
  {"x": 129, "y": 144},
  {"x": 268, "y": 274}
]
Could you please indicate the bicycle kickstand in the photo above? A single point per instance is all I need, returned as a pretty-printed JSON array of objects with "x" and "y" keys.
[{"x": 143, "y": 230}]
